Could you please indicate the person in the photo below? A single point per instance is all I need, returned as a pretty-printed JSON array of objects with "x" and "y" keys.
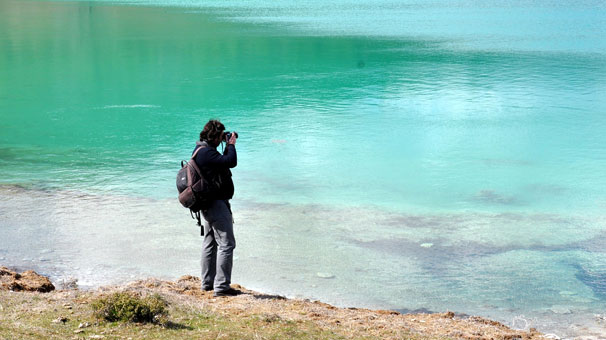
[{"x": 219, "y": 241}]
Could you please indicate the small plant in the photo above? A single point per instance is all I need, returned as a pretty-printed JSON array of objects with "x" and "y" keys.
[{"x": 124, "y": 306}]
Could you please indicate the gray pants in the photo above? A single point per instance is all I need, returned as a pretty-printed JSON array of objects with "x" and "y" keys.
[{"x": 218, "y": 246}]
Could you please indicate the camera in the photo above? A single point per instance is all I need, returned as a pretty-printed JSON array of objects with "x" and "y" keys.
[{"x": 228, "y": 134}]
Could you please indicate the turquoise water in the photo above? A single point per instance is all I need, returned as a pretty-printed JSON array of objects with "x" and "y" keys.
[{"x": 437, "y": 156}]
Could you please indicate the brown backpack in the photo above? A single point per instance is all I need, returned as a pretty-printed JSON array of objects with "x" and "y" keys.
[{"x": 194, "y": 191}]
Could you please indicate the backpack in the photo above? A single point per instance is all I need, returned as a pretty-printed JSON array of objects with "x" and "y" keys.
[{"x": 194, "y": 191}]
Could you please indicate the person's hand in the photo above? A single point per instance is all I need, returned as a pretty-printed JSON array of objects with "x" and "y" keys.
[{"x": 232, "y": 139}]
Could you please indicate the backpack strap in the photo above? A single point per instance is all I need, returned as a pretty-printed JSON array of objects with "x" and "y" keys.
[
  {"x": 193, "y": 163},
  {"x": 196, "y": 215},
  {"x": 196, "y": 152}
]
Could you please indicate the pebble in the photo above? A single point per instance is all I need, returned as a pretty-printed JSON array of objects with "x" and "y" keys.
[
  {"x": 60, "y": 319},
  {"x": 427, "y": 245},
  {"x": 325, "y": 275},
  {"x": 83, "y": 325},
  {"x": 96, "y": 337},
  {"x": 78, "y": 331}
]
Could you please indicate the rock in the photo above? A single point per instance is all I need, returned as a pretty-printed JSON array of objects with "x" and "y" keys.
[
  {"x": 78, "y": 331},
  {"x": 96, "y": 337},
  {"x": 28, "y": 281},
  {"x": 5, "y": 271},
  {"x": 427, "y": 245},
  {"x": 32, "y": 281},
  {"x": 325, "y": 275},
  {"x": 61, "y": 319},
  {"x": 189, "y": 278},
  {"x": 83, "y": 325},
  {"x": 69, "y": 283}
]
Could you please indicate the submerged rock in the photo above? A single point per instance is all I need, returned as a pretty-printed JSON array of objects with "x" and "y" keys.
[
  {"x": 560, "y": 310},
  {"x": 28, "y": 281},
  {"x": 325, "y": 275}
]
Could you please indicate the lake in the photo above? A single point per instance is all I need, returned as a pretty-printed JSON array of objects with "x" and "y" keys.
[{"x": 398, "y": 155}]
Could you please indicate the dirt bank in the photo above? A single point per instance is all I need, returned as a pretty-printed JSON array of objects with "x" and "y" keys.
[{"x": 197, "y": 314}]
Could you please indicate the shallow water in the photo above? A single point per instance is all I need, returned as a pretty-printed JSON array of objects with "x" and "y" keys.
[{"x": 405, "y": 156}]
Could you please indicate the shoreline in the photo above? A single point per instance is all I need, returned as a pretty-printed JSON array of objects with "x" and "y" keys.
[
  {"x": 305, "y": 316},
  {"x": 95, "y": 258}
]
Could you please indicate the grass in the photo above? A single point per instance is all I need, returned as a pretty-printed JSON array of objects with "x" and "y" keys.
[
  {"x": 128, "y": 306},
  {"x": 156, "y": 309},
  {"x": 37, "y": 316}
]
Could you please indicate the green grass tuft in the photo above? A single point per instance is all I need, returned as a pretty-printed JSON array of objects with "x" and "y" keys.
[{"x": 130, "y": 307}]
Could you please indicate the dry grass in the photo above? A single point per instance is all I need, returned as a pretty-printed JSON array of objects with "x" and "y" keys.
[{"x": 195, "y": 314}]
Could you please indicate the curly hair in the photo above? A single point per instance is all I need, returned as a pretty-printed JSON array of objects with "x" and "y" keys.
[{"x": 212, "y": 130}]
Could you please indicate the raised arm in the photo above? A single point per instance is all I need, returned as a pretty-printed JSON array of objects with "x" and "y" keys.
[{"x": 229, "y": 159}]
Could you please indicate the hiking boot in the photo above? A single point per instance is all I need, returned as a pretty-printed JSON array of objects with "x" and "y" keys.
[
  {"x": 207, "y": 289},
  {"x": 229, "y": 292}
]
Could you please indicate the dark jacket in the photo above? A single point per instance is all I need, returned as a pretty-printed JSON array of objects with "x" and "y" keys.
[{"x": 215, "y": 168}]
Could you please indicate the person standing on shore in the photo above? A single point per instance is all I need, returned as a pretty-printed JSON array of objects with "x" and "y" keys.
[{"x": 219, "y": 241}]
